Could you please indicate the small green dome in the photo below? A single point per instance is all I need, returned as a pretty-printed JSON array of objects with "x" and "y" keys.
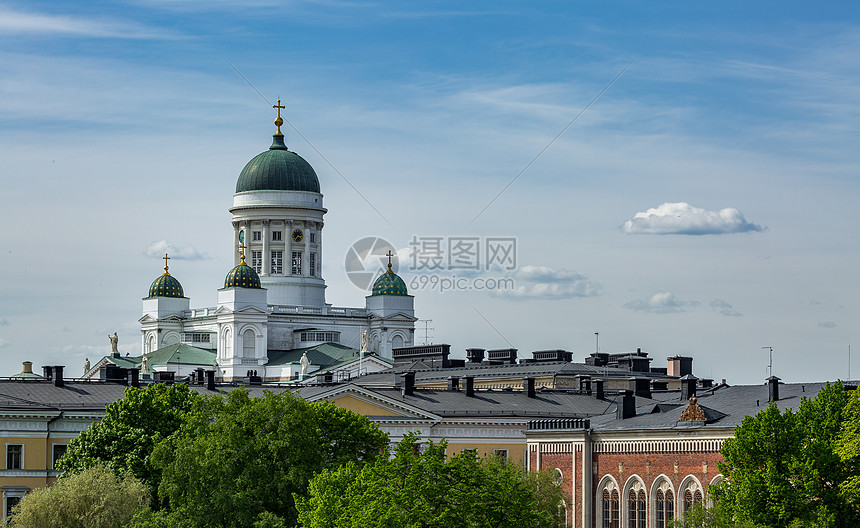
[
  {"x": 278, "y": 169},
  {"x": 242, "y": 276},
  {"x": 166, "y": 286},
  {"x": 389, "y": 283}
]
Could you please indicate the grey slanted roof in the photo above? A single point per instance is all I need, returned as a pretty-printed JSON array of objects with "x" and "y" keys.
[{"x": 725, "y": 407}]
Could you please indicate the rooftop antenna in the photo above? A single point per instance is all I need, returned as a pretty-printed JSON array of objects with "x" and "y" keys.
[
  {"x": 427, "y": 339},
  {"x": 849, "y": 362},
  {"x": 770, "y": 360}
]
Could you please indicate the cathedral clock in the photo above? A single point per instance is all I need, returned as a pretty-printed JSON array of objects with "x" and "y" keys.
[{"x": 298, "y": 235}]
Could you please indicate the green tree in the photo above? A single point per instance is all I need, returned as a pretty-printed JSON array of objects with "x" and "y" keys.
[
  {"x": 784, "y": 467},
  {"x": 94, "y": 498},
  {"x": 848, "y": 449},
  {"x": 239, "y": 460},
  {"x": 428, "y": 490},
  {"x": 125, "y": 438}
]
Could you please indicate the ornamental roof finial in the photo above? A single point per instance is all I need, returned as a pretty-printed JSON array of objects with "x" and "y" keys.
[
  {"x": 165, "y": 258},
  {"x": 389, "y": 255},
  {"x": 279, "y": 120}
]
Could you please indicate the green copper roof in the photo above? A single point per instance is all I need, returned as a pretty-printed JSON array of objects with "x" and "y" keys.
[
  {"x": 278, "y": 169},
  {"x": 389, "y": 283},
  {"x": 178, "y": 354},
  {"x": 242, "y": 276},
  {"x": 165, "y": 286}
]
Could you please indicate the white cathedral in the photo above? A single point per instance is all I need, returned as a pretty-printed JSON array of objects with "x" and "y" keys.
[{"x": 271, "y": 309}]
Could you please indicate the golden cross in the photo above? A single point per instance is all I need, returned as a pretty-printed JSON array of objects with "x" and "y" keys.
[
  {"x": 242, "y": 249},
  {"x": 279, "y": 120},
  {"x": 389, "y": 255},
  {"x": 165, "y": 258}
]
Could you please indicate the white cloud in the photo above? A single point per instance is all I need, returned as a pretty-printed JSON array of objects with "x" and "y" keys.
[
  {"x": 826, "y": 324},
  {"x": 725, "y": 308},
  {"x": 12, "y": 22},
  {"x": 681, "y": 218},
  {"x": 661, "y": 303},
  {"x": 541, "y": 282},
  {"x": 182, "y": 252}
]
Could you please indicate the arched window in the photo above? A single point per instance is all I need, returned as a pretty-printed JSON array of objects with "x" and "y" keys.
[
  {"x": 636, "y": 509},
  {"x": 610, "y": 509},
  {"x": 396, "y": 341},
  {"x": 665, "y": 508},
  {"x": 691, "y": 497},
  {"x": 248, "y": 344},
  {"x": 228, "y": 343},
  {"x": 150, "y": 347}
]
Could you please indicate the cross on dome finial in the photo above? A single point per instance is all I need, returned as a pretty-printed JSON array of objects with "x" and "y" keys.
[
  {"x": 165, "y": 258},
  {"x": 279, "y": 120},
  {"x": 242, "y": 249},
  {"x": 389, "y": 255}
]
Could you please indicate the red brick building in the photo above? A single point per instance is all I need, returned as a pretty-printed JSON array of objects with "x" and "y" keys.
[{"x": 646, "y": 464}]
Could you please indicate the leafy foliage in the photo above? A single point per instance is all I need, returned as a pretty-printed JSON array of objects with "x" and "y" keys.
[
  {"x": 94, "y": 498},
  {"x": 784, "y": 467},
  {"x": 239, "y": 461},
  {"x": 125, "y": 438},
  {"x": 427, "y": 490}
]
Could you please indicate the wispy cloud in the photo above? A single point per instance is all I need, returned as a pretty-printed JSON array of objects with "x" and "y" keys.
[
  {"x": 725, "y": 308},
  {"x": 3, "y": 343},
  {"x": 681, "y": 218},
  {"x": 541, "y": 282},
  {"x": 21, "y": 22},
  {"x": 4, "y": 322},
  {"x": 826, "y": 324},
  {"x": 180, "y": 252},
  {"x": 661, "y": 303}
]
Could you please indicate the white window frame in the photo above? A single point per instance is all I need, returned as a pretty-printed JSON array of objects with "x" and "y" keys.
[
  {"x": 54, "y": 456},
  {"x": 256, "y": 236},
  {"x": 277, "y": 236},
  {"x": 277, "y": 257},
  {"x": 312, "y": 264},
  {"x": 20, "y": 455},
  {"x": 257, "y": 260},
  {"x": 296, "y": 263}
]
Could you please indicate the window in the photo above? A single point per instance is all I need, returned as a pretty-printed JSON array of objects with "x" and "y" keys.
[
  {"x": 195, "y": 337},
  {"x": 59, "y": 451},
  {"x": 331, "y": 337},
  {"x": 276, "y": 236},
  {"x": 257, "y": 261},
  {"x": 636, "y": 509},
  {"x": 691, "y": 497},
  {"x": 11, "y": 502},
  {"x": 313, "y": 238},
  {"x": 312, "y": 265},
  {"x": 297, "y": 263},
  {"x": 665, "y": 508},
  {"x": 277, "y": 262},
  {"x": 14, "y": 456},
  {"x": 610, "y": 509},
  {"x": 249, "y": 341},
  {"x": 228, "y": 343},
  {"x": 256, "y": 236},
  {"x": 501, "y": 453}
]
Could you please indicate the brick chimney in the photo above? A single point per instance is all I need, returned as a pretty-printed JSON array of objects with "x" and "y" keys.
[
  {"x": 407, "y": 385},
  {"x": 597, "y": 389},
  {"x": 773, "y": 388},
  {"x": 469, "y": 385},
  {"x": 453, "y": 383},
  {"x": 58, "y": 376},
  {"x": 626, "y": 408},
  {"x": 688, "y": 386}
]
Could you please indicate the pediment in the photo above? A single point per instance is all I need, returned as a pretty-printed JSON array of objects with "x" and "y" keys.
[
  {"x": 369, "y": 403},
  {"x": 246, "y": 310}
]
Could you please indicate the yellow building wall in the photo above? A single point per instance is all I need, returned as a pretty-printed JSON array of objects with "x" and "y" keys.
[
  {"x": 361, "y": 407},
  {"x": 516, "y": 451}
]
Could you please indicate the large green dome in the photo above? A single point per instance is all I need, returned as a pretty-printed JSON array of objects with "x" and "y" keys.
[
  {"x": 165, "y": 286},
  {"x": 389, "y": 283},
  {"x": 278, "y": 169},
  {"x": 242, "y": 276}
]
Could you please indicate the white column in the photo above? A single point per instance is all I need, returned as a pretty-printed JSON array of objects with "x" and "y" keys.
[
  {"x": 319, "y": 248},
  {"x": 235, "y": 243},
  {"x": 288, "y": 247},
  {"x": 306, "y": 256},
  {"x": 267, "y": 259}
]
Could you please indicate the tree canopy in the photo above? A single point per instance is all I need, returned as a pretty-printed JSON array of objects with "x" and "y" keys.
[
  {"x": 94, "y": 498},
  {"x": 785, "y": 467},
  {"x": 131, "y": 428},
  {"x": 427, "y": 490},
  {"x": 239, "y": 460}
]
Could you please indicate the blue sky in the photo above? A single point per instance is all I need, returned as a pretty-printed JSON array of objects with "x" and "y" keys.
[{"x": 705, "y": 204}]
